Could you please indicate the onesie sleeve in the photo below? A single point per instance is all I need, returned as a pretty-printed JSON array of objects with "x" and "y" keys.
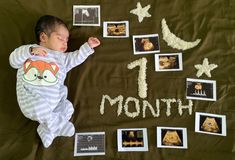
[
  {"x": 73, "y": 59},
  {"x": 19, "y": 56}
]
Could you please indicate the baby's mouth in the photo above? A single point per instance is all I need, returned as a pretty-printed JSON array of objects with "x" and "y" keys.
[{"x": 63, "y": 49}]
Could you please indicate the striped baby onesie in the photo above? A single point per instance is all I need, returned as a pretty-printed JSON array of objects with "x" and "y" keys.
[{"x": 41, "y": 93}]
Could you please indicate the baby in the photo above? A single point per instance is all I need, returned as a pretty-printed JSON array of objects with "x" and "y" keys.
[{"x": 42, "y": 69}]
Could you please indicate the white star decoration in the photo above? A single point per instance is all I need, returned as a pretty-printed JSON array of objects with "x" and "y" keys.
[
  {"x": 141, "y": 12},
  {"x": 205, "y": 67}
]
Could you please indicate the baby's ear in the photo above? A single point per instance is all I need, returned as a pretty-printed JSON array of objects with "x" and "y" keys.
[{"x": 43, "y": 37}]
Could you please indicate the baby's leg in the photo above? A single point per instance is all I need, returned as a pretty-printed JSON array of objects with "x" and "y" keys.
[
  {"x": 57, "y": 126},
  {"x": 64, "y": 108},
  {"x": 39, "y": 110},
  {"x": 52, "y": 124}
]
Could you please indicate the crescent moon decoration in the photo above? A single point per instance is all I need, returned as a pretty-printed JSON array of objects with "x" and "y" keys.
[{"x": 176, "y": 42}]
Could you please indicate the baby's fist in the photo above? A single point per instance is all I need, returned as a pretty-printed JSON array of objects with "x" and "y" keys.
[{"x": 93, "y": 42}]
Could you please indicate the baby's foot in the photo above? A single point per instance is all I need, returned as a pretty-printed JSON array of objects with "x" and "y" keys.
[
  {"x": 67, "y": 130},
  {"x": 46, "y": 136},
  {"x": 65, "y": 109}
]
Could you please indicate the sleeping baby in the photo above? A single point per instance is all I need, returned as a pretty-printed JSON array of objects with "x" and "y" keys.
[{"x": 42, "y": 69}]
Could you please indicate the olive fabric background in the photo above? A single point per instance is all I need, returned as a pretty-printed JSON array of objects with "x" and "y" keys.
[{"x": 106, "y": 73}]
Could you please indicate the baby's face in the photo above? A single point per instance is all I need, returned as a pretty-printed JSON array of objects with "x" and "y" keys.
[
  {"x": 164, "y": 62},
  {"x": 58, "y": 39}
]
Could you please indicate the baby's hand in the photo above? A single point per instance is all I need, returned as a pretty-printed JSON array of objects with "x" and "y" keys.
[
  {"x": 93, "y": 42},
  {"x": 38, "y": 51}
]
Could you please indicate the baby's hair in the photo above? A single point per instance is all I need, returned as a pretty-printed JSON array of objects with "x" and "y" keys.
[{"x": 47, "y": 24}]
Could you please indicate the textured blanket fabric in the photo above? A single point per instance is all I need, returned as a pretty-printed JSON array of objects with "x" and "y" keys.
[{"x": 106, "y": 73}]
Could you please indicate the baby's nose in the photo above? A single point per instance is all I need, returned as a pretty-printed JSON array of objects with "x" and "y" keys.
[{"x": 40, "y": 77}]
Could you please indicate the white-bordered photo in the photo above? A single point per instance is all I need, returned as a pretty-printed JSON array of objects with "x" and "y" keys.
[
  {"x": 132, "y": 139},
  {"x": 201, "y": 89},
  {"x": 86, "y": 15},
  {"x": 145, "y": 44},
  {"x": 116, "y": 29},
  {"x": 168, "y": 62},
  {"x": 89, "y": 144},
  {"x": 208, "y": 123},
  {"x": 172, "y": 137}
]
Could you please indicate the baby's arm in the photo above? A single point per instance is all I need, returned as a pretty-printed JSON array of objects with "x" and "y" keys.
[
  {"x": 19, "y": 56},
  {"x": 77, "y": 57}
]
